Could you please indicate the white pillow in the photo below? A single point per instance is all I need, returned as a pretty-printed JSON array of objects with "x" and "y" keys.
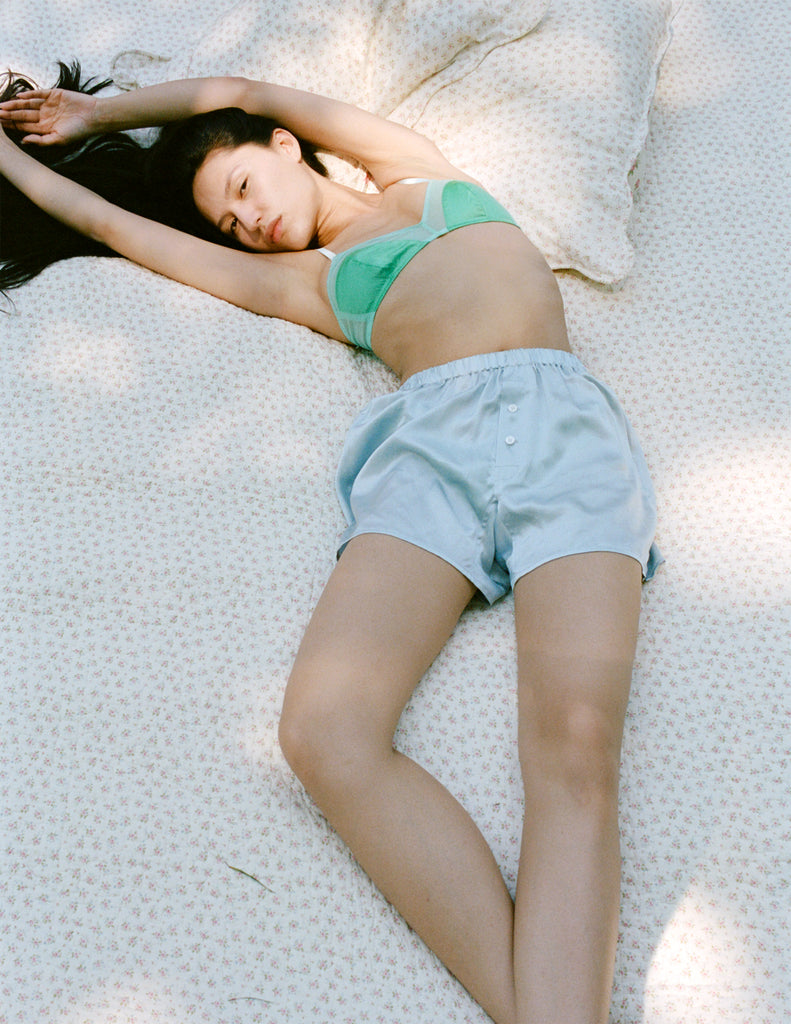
[
  {"x": 369, "y": 52},
  {"x": 553, "y": 124}
]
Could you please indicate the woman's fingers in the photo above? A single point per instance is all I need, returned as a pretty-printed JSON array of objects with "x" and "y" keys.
[
  {"x": 34, "y": 95},
  {"x": 21, "y": 114},
  {"x": 19, "y": 120},
  {"x": 23, "y": 103},
  {"x": 43, "y": 140}
]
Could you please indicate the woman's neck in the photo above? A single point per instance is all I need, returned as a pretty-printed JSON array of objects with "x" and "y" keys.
[{"x": 341, "y": 206}]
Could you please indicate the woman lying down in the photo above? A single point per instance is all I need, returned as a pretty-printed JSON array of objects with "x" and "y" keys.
[{"x": 500, "y": 463}]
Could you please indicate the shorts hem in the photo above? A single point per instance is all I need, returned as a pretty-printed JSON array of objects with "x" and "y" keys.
[
  {"x": 648, "y": 565},
  {"x": 491, "y": 591}
]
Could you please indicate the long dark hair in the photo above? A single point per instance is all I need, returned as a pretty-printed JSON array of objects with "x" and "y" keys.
[
  {"x": 111, "y": 165},
  {"x": 155, "y": 181}
]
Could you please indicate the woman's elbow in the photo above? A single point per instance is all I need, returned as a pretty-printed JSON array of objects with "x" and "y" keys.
[{"x": 243, "y": 90}]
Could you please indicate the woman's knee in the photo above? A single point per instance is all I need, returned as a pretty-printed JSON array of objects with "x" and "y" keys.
[
  {"x": 324, "y": 738},
  {"x": 309, "y": 740},
  {"x": 575, "y": 750}
]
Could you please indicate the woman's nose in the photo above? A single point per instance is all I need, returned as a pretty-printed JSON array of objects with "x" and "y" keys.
[{"x": 249, "y": 218}]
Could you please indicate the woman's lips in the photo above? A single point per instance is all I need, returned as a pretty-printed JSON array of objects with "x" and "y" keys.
[{"x": 274, "y": 231}]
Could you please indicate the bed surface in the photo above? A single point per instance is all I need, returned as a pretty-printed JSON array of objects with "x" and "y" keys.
[{"x": 168, "y": 520}]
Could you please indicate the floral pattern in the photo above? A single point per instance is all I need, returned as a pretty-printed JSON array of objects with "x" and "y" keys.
[{"x": 168, "y": 519}]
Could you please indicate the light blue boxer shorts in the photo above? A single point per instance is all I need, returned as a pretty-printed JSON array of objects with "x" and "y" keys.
[{"x": 499, "y": 463}]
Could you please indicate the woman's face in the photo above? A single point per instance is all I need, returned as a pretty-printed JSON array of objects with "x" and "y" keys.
[{"x": 263, "y": 196}]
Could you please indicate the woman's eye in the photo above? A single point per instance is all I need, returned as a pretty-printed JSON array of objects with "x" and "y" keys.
[{"x": 243, "y": 187}]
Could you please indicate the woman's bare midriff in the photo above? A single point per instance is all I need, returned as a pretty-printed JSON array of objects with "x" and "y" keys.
[{"x": 481, "y": 288}]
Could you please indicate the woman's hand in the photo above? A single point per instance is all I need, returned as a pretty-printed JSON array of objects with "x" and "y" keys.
[{"x": 50, "y": 116}]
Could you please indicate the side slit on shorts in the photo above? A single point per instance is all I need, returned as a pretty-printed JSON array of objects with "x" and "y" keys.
[{"x": 499, "y": 463}]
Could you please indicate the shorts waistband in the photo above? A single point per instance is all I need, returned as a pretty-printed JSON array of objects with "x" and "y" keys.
[{"x": 493, "y": 361}]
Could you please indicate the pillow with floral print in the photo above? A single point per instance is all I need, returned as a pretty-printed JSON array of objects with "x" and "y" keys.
[{"x": 553, "y": 124}]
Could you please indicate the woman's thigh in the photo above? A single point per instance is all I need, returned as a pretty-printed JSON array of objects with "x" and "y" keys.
[
  {"x": 576, "y": 622},
  {"x": 384, "y": 615}
]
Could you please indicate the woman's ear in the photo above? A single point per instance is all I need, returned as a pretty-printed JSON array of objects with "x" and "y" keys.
[{"x": 285, "y": 143}]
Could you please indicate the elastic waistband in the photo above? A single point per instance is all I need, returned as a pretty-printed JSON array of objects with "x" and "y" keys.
[{"x": 493, "y": 361}]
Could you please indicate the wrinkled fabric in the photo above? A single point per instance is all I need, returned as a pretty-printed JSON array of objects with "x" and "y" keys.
[{"x": 499, "y": 463}]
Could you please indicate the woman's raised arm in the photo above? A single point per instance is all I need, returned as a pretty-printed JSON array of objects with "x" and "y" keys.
[
  {"x": 388, "y": 150},
  {"x": 49, "y": 116},
  {"x": 270, "y": 285}
]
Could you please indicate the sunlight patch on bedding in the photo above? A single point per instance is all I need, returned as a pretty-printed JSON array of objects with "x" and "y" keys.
[
  {"x": 128, "y": 1003},
  {"x": 704, "y": 968},
  {"x": 732, "y": 504},
  {"x": 104, "y": 364}
]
